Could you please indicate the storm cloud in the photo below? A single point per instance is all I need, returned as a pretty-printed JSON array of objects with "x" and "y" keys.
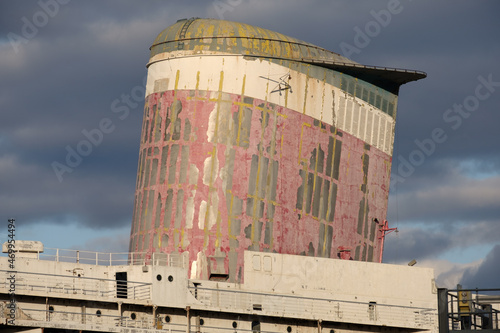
[{"x": 66, "y": 67}]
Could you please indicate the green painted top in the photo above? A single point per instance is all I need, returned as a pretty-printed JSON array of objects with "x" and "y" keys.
[
  {"x": 238, "y": 38},
  {"x": 202, "y": 35}
]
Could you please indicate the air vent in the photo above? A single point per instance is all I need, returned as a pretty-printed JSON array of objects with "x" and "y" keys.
[{"x": 257, "y": 307}]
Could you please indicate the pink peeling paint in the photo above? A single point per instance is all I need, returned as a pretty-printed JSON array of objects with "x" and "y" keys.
[{"x": 223, "y": 192}]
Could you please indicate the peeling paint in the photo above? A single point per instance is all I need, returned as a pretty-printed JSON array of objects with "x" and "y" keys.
[
  {"x": 249, "y": 196},
  {"x": 228, "y": 163}
]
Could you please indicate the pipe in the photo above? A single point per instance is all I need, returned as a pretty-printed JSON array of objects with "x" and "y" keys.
[{"x": 188, "y": 327}]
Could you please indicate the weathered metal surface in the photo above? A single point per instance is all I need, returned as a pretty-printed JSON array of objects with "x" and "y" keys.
[
  {"x": 219, "y": 172},
  {"x": 268, "y": 155},
  {"x": 202, "y": 36},
  {"x": 149, "y": 296},
  {"x": 237, "y": 38}
]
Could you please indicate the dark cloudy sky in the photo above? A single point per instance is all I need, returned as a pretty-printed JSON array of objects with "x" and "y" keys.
[{"x": 66, "y": 65}]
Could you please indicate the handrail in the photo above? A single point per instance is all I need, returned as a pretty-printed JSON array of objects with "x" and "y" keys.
[
  {"x": 308, "y": 298},
  {"x": 78, "y": 277},
  {"x": 469, "y": 309},
  {"x": 113, "y": 321},
  {"x": 54, "y": 284},
  {"x": 321, "y": 308},
  {"x": 111, "y": 259}
]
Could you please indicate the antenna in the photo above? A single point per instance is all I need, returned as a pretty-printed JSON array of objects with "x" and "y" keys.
[{"x": 282, "y": 84}]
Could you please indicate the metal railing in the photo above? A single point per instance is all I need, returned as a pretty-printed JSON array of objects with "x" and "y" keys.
[
  {"x": 112, "y": 323},
  {"x": 50, "y": 284},
  {"x": 67, "y": 319},
  {"x": 369, "y": 313},
  {"x": 468, "y": 309},
  {"x": 111, "y": 259}
]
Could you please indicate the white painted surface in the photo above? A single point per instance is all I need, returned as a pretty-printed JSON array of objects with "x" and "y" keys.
[
  {"x": 24, "y": 246},
  {"x": 348, "y": 280},
  {"x": 252, "y": 77},
  {"x": 279, "y": 287}
]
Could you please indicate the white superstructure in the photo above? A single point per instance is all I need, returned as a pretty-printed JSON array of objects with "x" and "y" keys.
[{"x": 83, "y": 291}]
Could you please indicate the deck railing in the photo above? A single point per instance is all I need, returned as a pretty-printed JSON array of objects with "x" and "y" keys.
[
  {"x": 74, "y": 285},
  {"x": 369, "y": 313},
  {"x": 468, "y": 309},
  {"x": 110, "y": 259}
]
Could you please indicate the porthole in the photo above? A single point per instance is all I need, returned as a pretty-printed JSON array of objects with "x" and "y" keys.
[
  {"x": 332, "y": 331},
  {"x": 51, "y": 309},
  {"x": 98, "y": 313},
  {"x": 167, "y": 319},
  {"x": 235, "y": 324},
  {"x": 202, "y": 322},
  {"x": 170, "y": 278},
  {"x": 289, "y": 329},
  {"x": 158, "y": 277},
  {"x": 133, "y": 316}
]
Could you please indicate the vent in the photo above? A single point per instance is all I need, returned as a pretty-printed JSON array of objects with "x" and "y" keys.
[{"x": 257, "y": 307}]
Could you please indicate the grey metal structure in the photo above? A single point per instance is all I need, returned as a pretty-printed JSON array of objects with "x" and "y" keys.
[
  {"x": 51, "y": 290},
  {"x": 467, "y": 310}
]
